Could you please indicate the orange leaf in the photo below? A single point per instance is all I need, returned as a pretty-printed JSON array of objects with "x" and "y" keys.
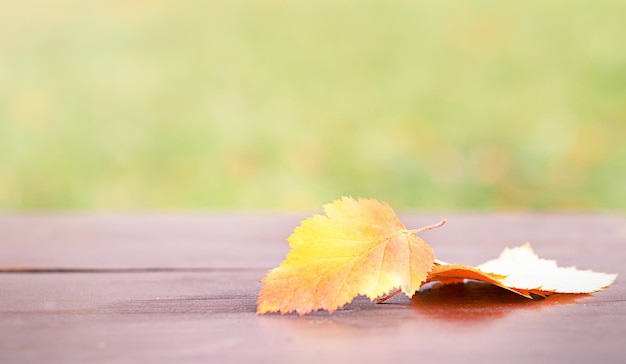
[
  {"x": 358, "y": 248},
  {"x": 455, "y": 273}
]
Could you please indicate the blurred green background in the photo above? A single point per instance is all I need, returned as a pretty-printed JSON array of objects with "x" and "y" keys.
[{"x": 286, "y": 105}]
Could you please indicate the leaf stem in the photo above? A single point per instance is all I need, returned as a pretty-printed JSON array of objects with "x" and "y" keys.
[
  {"x": 388, "y": 296},
  {"x": 430, "y": 227}
]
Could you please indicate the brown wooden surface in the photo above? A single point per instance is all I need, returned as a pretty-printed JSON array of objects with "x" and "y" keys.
[{"x": 156, "y": 288}]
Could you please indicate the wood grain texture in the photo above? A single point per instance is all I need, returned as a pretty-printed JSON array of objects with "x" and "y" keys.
[{"x": 109, "y": 299}]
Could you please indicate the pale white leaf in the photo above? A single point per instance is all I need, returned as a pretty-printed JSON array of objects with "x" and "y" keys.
[{"x": 524, "y": 270}]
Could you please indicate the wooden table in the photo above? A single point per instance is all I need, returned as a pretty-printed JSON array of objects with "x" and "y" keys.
[{"x": 182, "y": 288}]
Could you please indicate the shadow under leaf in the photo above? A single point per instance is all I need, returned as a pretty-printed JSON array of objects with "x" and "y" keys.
[{"x": 479, "y": 301}]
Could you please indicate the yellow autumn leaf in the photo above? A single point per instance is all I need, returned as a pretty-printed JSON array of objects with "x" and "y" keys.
[
  {"x": 359, "y": 247},
  {"x": 520, "y": 270}
]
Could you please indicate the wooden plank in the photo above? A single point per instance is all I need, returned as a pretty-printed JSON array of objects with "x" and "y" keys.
[
  {"x": 208, "y": 315},
  {"x": 244, "y": 241},
  {"x": 143, "y": 241}
]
